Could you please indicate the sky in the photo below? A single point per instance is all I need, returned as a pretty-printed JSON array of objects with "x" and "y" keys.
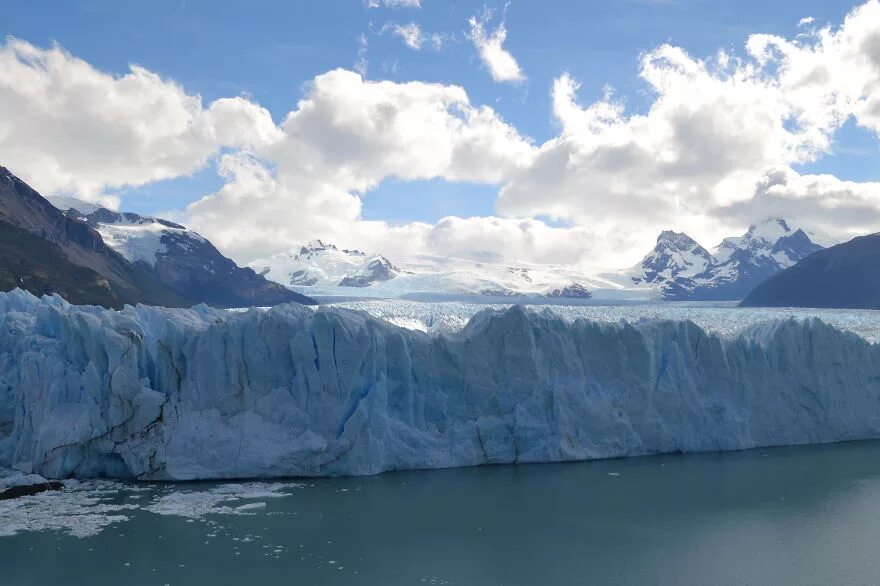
[{"x": 547, "y": 132}]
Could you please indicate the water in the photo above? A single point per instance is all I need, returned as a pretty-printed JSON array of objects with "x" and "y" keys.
[
  {"x": 719, "y": 318},
  {"x": 808, "y": 515}
]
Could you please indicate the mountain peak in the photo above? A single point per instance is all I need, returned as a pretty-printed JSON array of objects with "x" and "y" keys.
[
  {"x": 318, "y": 244},
  {"x": 677, "y": 240},
  {"x": 675, "y": 254},
  {"x": 66, "y": 204},
  {"x": 769, "y": 230}
]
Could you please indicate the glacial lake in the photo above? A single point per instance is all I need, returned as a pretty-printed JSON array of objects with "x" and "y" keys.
[{"x": 807, "y": 515}]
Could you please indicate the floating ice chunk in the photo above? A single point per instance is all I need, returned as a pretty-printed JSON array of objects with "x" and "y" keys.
[
  {"x": 195, "y": 504},
  {"x": 81, "y": 511}
]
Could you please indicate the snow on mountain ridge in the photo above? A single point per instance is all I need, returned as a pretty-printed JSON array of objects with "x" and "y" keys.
[
  {"x": 675, "y": 255},
  {"x": 323, "y": 269},
  {"x": 138, "y": 238},
  {"x": 179, "y": 258},
  {"x": 64, "y": 203},
  {"x": 677, "y": 268},
  {"x": 684, "y": 270},
  {"x": 323, "y": 264}
]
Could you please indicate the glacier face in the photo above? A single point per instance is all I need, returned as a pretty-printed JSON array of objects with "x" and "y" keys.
[{"x": 156, "y": 393}]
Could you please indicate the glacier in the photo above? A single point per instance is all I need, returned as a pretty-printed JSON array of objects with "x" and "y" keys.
[{"x": 180, "y": 394}]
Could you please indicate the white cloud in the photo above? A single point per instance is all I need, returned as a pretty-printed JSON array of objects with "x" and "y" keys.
[
  {"x": 360, "y": 65},
  {"x": 344, "y": 138},
  {"x": 413, "y": 36},
  {"x": 807, "y": 20},
  {"x": 490, "y": 44},
  {"x": 394, "y": 3},
  {"x": 67, "y": 127},
  {"x": 715, "y": 131},
  {"x": 259, "y": 213},
  {"x": 716, "y": 149},
  {"x": 831, "y": 204}
]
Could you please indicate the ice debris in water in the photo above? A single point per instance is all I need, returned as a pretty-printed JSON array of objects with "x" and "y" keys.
[
  {"x": 223, "y": 500},
  {"x": 81, "y": 510},
  {"x": 84, "y": 509}
]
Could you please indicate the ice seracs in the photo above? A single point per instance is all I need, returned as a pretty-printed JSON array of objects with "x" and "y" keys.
[{"x": 180, "y": 394}]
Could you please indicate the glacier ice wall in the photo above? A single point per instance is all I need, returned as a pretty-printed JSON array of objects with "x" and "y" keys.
[{"x": 156, "y": 393}]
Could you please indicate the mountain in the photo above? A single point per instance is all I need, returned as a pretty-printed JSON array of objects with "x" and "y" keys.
[
  {"x": 675, "y": 256},
  {"x": 45, "y": 251},
  {"x": 844, "y": 276},
  {"x": 377, "y": 270},
  {"x": 41, "y": 267},
  {"x": 317, "y": 262},
  {"x": 180, "y": 259},
  {"x": 684, "y": 270},
  {"x": 321, "y": 268},
  {"x": 572, "y": 291}
]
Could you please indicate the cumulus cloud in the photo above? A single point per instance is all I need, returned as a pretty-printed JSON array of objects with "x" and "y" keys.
[
  {"x": 718, "y": 147},
  {"x": 67, "y": 127},
  {"x": 342, "y": 140},
  {"x": 831, "y": 204},
  {"x": 501, "y": 64},
  {"x": 259, "y": 212},
  {"x": 716, "y": 131}
]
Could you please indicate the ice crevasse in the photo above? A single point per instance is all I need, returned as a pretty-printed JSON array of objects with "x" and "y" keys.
[{"x": 155, "y": 393}]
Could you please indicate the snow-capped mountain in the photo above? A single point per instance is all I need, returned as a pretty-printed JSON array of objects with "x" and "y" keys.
[
  {"x": 318, "y": 263},
  {"x": 179, "y": 258},
  {"x": 684, "y": 270},
  {"x": 678, "y": 268},
  {"x": 46, "y": 251},
  {"x": 676, "y": 255},
  {"x": 319, "y": 268},
  {"x": 377, "y": 270}
]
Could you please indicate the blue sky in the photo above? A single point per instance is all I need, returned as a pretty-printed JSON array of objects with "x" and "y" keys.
[
  {"x": 268, "y": 50},
  {"x": 569, "y": 132}
]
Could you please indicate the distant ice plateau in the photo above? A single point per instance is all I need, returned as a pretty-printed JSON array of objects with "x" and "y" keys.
[{"x": 155, "y": 393}]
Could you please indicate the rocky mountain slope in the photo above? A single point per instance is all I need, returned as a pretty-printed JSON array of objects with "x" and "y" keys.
[
  {"x": 676, "y": 256},
  {"x": 64, "y": 255},
  {"x": 180, "y": 259},
  {"x": 845, "y": 276}
]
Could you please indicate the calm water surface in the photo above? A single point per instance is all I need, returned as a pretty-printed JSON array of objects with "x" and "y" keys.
[{"x": 805, "y": 515}]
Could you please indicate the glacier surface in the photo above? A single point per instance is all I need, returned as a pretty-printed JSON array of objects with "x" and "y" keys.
[
  {"x": 717, "y": 317},
  {"x": 155, "y": 393}
]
